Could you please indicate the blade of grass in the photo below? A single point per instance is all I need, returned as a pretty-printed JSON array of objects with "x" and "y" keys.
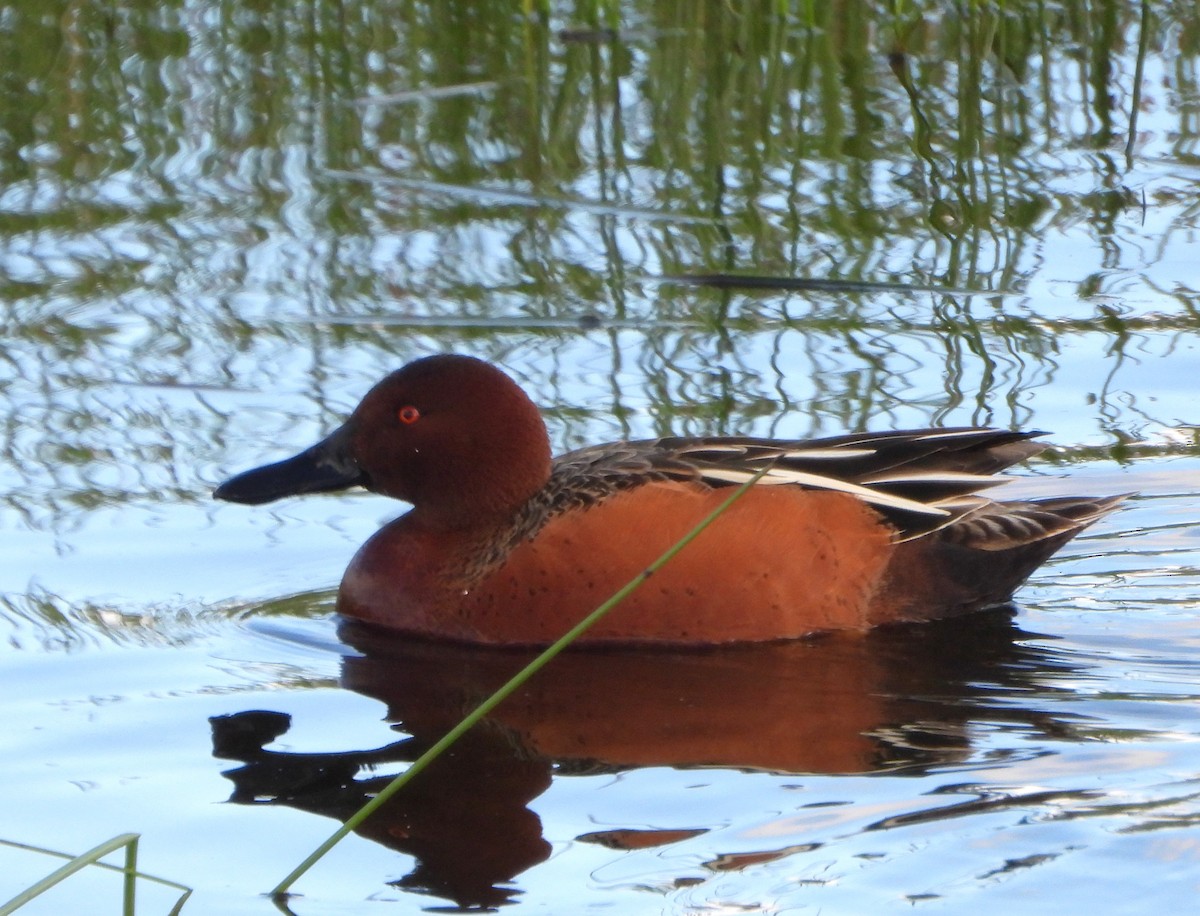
[
  {"x": 129, "y": 870},
  {"x": 506, "y": 690},
  {"x": 130, "y": 883},
  {"x": 91, "y": 857}
]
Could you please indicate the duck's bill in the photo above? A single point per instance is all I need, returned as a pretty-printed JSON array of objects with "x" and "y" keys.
[{"x": 326, "y": 466}]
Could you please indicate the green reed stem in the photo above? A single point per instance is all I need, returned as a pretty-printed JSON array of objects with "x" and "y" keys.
[
  {"x": 506, "y": 690},
  {"x": 92, "y": 857}
]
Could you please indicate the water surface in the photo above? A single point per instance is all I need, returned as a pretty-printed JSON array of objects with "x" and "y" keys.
[{"x": 221, "y": 223}]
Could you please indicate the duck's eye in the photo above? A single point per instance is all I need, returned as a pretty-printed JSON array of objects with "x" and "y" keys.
[{"x": 408, "y": 414}]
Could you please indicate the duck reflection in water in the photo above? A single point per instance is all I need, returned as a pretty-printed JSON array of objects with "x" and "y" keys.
[{"x": 900, "y": 699}]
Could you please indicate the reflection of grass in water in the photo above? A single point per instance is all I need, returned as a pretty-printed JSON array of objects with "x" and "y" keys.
[
  {"x": 491, "y": 170},
  {"x": 57, "y": 624},
  {"x": 126, "y": 841},
  {"x": 773, "y": 128}
]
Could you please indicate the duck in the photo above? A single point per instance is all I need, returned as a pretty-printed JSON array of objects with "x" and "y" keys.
[{"x": 506, "y": 545}]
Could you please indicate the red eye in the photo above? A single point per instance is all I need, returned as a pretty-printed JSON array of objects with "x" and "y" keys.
[{"x": 408, "y": 414}]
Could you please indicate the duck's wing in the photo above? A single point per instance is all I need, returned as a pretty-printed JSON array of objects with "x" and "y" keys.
[{"x": 920, "y": 480}]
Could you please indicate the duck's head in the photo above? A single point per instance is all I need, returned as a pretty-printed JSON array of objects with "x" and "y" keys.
[{"x": 452, "y": 435}]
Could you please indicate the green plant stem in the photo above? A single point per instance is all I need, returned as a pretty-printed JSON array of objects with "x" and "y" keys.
[
  {"x": 91, "y": 857},
  {"x": 131, "y": 851},
  {"x": 506, "y": 690}
]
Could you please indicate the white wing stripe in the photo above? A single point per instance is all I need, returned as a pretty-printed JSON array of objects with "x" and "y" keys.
[
  {"x": 981, "y": 480},
  {"x": 934, "y": 435},
  {"x": 829, "y": 453},
  {"x": 779, "y": 476}
]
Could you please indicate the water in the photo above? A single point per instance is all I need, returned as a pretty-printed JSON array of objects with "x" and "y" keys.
[{"x": 220, "y": 224}]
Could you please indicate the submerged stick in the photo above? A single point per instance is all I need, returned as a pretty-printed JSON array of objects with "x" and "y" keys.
[{"x": 506, "y": 690}]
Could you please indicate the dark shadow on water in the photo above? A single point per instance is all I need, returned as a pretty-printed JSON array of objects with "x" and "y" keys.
[{"x": 898, "y": 700}]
